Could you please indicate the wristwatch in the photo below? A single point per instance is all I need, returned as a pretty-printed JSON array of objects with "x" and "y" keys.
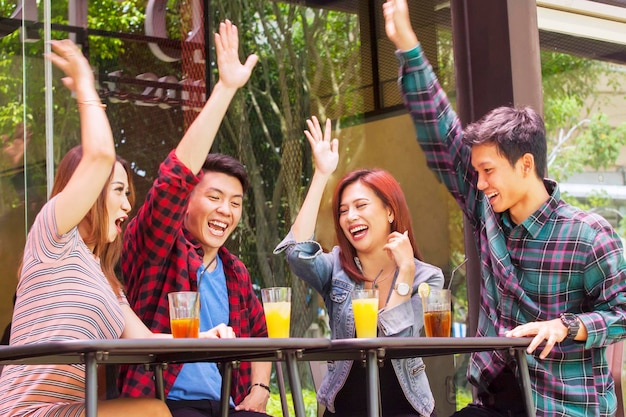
[
  {"x": 570, "y": 321},
  {"x": 402, "y": 288}
]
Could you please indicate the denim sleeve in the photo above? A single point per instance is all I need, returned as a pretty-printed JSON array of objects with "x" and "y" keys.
[
  {"x": 406, "y": 319},
  {"x": 308, "y": 261}
]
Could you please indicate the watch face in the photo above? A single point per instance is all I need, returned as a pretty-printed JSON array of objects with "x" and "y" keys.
[
  {"x": 403, "y": 288},
  {"x": 569, "y": 319}
]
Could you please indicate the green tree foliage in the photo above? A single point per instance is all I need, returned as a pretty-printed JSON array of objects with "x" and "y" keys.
[{"x": 579, "y": 136}]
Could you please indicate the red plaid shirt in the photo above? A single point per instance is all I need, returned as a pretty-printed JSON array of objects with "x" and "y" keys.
[{"x": 159, "y": 257}]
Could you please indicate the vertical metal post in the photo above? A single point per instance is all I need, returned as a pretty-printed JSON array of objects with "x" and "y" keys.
[
  {"x": 227, "y": 379},
  {"x": 294, "y": 383},
  {"x": 208, "y": 41},
  {"x": 91, "y": 385},
  {"x": 373, "y": 386},
  {"x": 49, "y": 119},
  {"x": 159, "y": 385},
  {"x": 281, "y": 388},
  {"x": 522, "y": 366}
]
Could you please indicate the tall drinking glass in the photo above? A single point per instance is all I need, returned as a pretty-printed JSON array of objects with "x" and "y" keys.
[
  {"x": 365, "y": 307},
  {"x": 277, "y": 307},
  {"x": 437, "y": 317},
  {"x": 184, "y": 313}
]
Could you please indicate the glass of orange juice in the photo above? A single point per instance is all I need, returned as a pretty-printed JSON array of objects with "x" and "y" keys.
[
  {"x": 277, "y": 307},
  {"x": 184, "y": 313},
  {"x": 365, "y": 307}
]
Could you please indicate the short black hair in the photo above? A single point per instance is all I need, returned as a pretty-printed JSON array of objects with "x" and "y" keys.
[{"x": 226, "y": 164}]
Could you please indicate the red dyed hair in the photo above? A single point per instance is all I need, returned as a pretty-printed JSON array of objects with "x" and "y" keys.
[{"x": 389, "y": 191}]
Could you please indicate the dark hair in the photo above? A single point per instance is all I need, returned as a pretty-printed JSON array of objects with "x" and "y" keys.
[
  {"x": 515, "y": 132},
  {"x": 97, "y": 217},
  {"x": 389, "y": 191},
  {"x": 226, "y": 164}
]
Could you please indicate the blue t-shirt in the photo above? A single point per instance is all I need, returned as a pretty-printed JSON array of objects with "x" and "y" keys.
[{"x": 202, "y": 380}]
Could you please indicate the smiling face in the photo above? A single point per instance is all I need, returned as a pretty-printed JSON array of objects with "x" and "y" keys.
[
  {"x": 504, "y": 185},
  {"x": 117, "y": 203},
  {"x": 214, "y": 210},
  {"x": 364, "y": 218}
]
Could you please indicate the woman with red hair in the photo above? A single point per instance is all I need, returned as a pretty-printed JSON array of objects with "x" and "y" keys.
[{"x": 376, "y": 250}]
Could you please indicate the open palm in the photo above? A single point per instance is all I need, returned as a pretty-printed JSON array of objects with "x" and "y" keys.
[
  {"x": 232, "y": 72},
  {"x": 324, "y": 148}
]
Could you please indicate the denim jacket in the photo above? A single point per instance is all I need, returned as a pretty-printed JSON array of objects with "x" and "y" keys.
[{"x": 323, "y": 272}]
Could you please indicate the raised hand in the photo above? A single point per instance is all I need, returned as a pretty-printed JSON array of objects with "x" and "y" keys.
[
  {"x": 326, "y": 157},
  {"x": 68, "y": 58},
  {"x": 398, "y": 24},
  {"x": 324, "y": 148},
  {"x": 232, "y": 72}
]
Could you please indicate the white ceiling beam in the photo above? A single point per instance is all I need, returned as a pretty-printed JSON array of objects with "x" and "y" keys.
[{"x": 584, "y": 19}]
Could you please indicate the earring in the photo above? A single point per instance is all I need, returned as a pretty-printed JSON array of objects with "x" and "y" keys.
[{"x": 390, "y": 220}]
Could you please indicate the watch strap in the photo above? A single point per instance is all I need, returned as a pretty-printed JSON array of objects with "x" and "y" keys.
[{"x": 570, "y": 321}]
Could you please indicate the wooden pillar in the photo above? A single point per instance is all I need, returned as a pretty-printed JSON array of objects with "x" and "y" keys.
[{"x": 497, "y": 63}]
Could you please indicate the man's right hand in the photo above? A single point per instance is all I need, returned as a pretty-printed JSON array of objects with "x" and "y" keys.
[
  {"x": 221, "y": 331},
  {"x": 232, "y": 72},
  {"x": 398, "y": 24}
]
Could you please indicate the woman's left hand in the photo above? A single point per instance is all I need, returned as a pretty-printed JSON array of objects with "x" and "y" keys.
[{"x": 399, "y": 248}]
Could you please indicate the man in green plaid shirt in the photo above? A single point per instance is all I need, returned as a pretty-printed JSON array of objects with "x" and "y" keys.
[{"x": 549, "y": 270}]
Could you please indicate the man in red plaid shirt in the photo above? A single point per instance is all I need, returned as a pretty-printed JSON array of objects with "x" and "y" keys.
[{"x": 178, "y": 235}]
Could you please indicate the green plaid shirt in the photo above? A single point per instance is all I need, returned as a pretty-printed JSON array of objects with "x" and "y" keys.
[{"x": 560, "y": 259}]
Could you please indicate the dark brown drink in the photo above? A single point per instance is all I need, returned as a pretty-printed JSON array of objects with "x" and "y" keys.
[{"x": 437, "y": 323}]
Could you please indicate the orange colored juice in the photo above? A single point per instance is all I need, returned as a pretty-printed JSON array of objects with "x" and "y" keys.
[
  {"x": 365, "y": 316},
  {"x": 187, "y": 327},
  {"x": 278, "y": 318}
]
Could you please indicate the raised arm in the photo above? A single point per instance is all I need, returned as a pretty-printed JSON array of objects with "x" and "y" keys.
[
  {"x": 196, "y": 143},
  {"x": 398, "y": 24},
  {"x": 94, "y": 169},
  {"x": 326, "y": 157}
]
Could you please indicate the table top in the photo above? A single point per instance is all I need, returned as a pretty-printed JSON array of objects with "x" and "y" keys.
[
  {"x": 146, "y": 351},
  {"x": 407, "y": 347}
]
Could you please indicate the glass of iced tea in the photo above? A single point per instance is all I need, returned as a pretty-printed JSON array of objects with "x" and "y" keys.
[
  {"x": 184, "y": 313},
  {"x": 365, "y": 307},
  {"x": 277, "y": 308},
  {"x": 437, "y": 317}
]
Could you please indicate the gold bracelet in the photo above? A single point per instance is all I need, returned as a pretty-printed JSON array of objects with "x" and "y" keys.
[{"x": 92, "y": 102}]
